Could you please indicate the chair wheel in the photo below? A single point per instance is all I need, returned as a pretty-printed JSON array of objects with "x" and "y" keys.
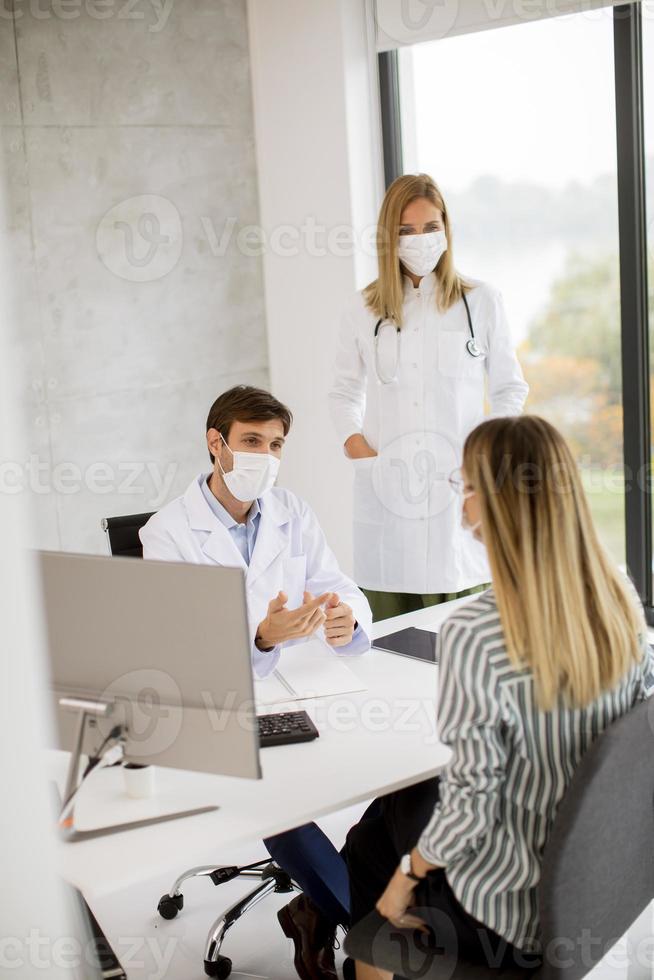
[
  {"x": 169, "y": 906},
  {"x": 221, "y": 968}
]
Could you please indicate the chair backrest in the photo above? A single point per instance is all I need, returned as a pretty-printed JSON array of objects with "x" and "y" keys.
[
  {"x": 123, "y": 534},
  {"x": 598, "y": 865}
]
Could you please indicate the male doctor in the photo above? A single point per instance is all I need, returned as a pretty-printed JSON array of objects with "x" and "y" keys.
[{"x": 236, "y": 516}]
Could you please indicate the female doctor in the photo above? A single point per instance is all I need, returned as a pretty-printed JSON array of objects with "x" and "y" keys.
[{"x": 420, "y": 350}]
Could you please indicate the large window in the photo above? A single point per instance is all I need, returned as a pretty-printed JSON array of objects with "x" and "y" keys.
[
  {"x": 648, "y": 86},
  {"x": 517, "y": 126}
]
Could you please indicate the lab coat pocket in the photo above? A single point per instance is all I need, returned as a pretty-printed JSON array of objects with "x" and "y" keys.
[
  {"x": 294, "y": 579},
  {"x": 454, "y": 361}
]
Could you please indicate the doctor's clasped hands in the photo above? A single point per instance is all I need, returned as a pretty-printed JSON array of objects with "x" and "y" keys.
[{"x": 282, "y": 624}]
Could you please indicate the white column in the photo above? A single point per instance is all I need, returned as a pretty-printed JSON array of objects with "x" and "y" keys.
[
  {"x": 317, "y": 129},
  {"x": 35, "y": 937}
]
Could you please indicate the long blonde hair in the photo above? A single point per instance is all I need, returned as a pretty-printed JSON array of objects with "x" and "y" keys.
[
  {"x": 566, "y": 610},
  {"x": 385, "y": 295}
]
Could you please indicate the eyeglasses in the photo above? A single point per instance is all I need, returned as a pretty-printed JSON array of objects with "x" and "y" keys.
[{"x": 459, "y": 485}]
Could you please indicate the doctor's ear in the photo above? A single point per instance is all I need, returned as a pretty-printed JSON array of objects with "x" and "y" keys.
[{"x": 214, "y": 442}]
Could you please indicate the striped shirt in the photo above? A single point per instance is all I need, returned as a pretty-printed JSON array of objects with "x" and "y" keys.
[{"x": 510, "y": 766}]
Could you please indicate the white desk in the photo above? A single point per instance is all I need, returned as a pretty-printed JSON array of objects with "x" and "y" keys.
[{"x": 370, "y": 744}]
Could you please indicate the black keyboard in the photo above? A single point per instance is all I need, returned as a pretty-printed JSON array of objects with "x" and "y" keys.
[{"x": 286, "y": 728}]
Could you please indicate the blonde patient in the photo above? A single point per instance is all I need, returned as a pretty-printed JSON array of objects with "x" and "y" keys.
[{"x": 531, "y": 672}]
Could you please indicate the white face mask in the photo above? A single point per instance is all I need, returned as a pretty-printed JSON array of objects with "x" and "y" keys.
[
  {"x": 420, "y": 254},
  {"x": 252, "y": 475}
]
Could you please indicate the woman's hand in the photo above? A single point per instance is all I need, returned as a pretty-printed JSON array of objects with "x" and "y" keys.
[
  {"x": 395, "y": 901},
  {"x": 356, "y": 447}
]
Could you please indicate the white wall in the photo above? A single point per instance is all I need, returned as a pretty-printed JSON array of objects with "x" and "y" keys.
[
  {"x": 121, "y": 128},
  {"x": 318, "y": 148}
]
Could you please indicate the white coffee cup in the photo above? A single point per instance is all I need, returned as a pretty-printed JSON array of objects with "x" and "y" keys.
[{"x": 139, "y": 780}]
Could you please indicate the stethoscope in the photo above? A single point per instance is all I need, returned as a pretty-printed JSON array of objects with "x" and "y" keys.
[{"x": 472, "y": 346}]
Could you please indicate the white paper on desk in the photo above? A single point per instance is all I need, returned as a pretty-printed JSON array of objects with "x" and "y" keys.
[
  {"x": 307, "y": 670},
  {"x": 270, "y": 690}
]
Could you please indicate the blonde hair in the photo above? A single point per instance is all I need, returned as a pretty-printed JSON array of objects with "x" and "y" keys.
[
  {"x": 567, "y": 612},
  {"x": 385, "y": 295}
]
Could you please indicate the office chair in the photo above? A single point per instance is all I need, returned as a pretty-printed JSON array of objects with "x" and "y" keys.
[
  {"x": 123, "y": 534},
  {"x": 123, "y": 540},
  {"x": 597, "y": 871}
]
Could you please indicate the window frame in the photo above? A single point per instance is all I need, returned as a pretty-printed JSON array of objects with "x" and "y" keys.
[
  {"x": 634, "y": 326},
  {"x": 630, "y": 141}
]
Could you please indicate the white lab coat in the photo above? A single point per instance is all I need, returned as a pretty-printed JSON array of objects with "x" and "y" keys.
[
  {"x": 407, "y": 519},
  {"x": 290, "y": 554}
]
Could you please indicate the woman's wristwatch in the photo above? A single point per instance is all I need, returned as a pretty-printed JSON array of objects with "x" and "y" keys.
[{"x": 407, "y": 869}]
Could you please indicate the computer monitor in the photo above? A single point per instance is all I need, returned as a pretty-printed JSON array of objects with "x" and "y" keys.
[{"x": 161, "y": 649}]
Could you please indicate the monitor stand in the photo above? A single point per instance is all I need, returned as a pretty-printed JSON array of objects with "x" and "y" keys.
[{"x": 88, "y": 709}]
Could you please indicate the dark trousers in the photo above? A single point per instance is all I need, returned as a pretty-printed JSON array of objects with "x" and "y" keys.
[
  {"x": 384, "y": 605},
  {"x": 309, "y": 857},
  {"x": 373, "y": 851}
]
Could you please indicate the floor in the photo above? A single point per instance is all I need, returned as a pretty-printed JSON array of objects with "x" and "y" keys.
[{"x": 151, "y": 948}]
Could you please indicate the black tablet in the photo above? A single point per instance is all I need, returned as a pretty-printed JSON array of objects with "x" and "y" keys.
[{"x": 412, "y": 642}]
